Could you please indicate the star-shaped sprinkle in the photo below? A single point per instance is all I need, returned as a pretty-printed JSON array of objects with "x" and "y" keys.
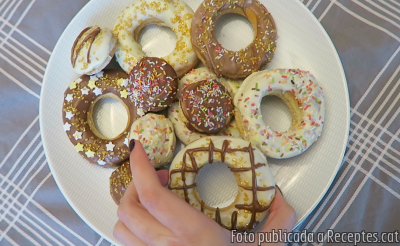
[
  {"x": 101, "y": 163},
  {"x": 120, "y": 81},
  {"x": 77, "y": 135},
  {"x": 79, "y": 147},
  {"x": 69, "y": 115},
  {"x": 92, "y": 84},
  {"x": 98, "y": 91},
  {"x": 124, "y": 94},
  {"x": 85, "y": 91},
  {"x": 72, "y": 85},
  {"x": 126, "y": 142},
  {"x": 110, "y": 146},
  {"x": 78, "y": 80},
  {"x": 99, "y": 74},
  {"x": 67, "y": 126},
  {"x": 69, "y": 97},
  {"x": 94, "y": 78},
  {"x": 125, "y": 82},
  {"x": 89, "y": 153}
]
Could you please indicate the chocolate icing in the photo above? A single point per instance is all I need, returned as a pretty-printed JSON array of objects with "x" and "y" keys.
[
  {"x": 153, "y": 84},
  {"x": 207, "y": 106},
  {"x": 80, "y": 106},
  {"x": 89, "y": 37},
  {"x": 233, "y": 64},
  {"x": 254, "y": 207},
  {"x": 119, "y": 181}
]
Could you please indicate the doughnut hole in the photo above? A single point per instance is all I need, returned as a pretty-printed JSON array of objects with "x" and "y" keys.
[
  {"x": 281, "y": 111},
  {"x": 216, "y": 185},
  {"x": 234, "y": 31},
  {"x": 110, "y": 118},
  {"x": 156, "y": 40}
]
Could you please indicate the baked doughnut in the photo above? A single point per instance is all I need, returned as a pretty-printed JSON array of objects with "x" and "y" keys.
[
  {"x": 182, "y": 132},
  {"x": 173, "y": 14},
  {"x": 300, "y": 91},
  {"x": 79, "y": 101},
  {"x": 153, "y": 84},
  {"x": 92, "y": 50},
  {"x": 256, "y": 186},
  {"x": 156, "y": 134},
  {"x": 119, "y": 181},
  {"x": 233, "y": 64},
  {"x": 206, "y": 106}
]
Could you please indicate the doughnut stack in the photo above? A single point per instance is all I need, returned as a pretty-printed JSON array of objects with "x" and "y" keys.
[{"x": 213, "y": 109}]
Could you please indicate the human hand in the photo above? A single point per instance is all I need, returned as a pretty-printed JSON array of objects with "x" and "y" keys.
[{"x": 150, "y": 214}]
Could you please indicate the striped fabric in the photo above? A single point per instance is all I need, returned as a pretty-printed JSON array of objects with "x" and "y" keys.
[{"x": 364, "y": 196}]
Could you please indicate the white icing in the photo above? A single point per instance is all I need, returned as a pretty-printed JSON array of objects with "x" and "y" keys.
[
  {"x": 100, "y": 54},
  {"x": 176, "y": 15},
  {"x": 156, "y": 134},
  {"x": 234, "y": 160},
  {"x": 305, "y": 88}
]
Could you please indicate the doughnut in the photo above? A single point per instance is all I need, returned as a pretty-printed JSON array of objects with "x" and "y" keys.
[
  {"x": 153, "y": 85},
  {"x": 256, "y": 185},
  {"x": 119, "y": 181},
  {"x": 185, "y": 135},
  {"x": 206, "y": 106},
  {"x": 233, "y": 64},
  {"x": 176, "y": 15},
  {"x": 156, "y": 134},
  {"x": 79, "y": 100},
  {"x": 92, "y": 50},
  {"x": 300, "y": 91}
]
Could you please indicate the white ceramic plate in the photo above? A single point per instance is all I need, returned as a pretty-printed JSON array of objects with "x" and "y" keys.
[{"x": 303, "y": 43}]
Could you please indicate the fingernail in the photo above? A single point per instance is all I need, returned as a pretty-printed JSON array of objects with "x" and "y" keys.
[
  {"x": 279, "y": 189},
  {"x": 131, "y": 145}
]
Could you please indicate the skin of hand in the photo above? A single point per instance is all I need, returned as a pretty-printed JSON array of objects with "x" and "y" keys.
[{"x": 150, "y": 214}]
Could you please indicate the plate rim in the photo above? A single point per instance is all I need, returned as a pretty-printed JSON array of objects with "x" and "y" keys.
[{"x": 311, "y": 209}]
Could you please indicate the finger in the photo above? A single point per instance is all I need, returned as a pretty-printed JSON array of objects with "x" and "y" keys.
[
  {"x": 137, "y": 219},
  {"x": 125, "y": 236},
  {"x": 164, "y": 205},
  {"x": 163, "y": 177},
  {"x": 281, "y": 216}
]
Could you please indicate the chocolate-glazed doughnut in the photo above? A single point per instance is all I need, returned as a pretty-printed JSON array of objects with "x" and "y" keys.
[
  {"x": 233, "y": 64},
  {"x": 119, "y": 181},
  {"x": 206, "y": 106},
  {"x": 153, "y": 84},
  {"x": 79, "y": 101}
]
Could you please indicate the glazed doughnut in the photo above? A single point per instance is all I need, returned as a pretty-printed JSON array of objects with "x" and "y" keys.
[
  {"x": 153, "y": 84},
  {"x": 156, "y": 134},
  {"x": 300, "y": 91},
  {"x": 92, "y": 50},
  {"x": 173, "y": 14},
  {"x": 206, "y": 106},
  {"x": 256, "y": 185},
  {"x": 119, "y": 181},
  {"x": 79, "y": 101},
  {"x": 182, "y": 132},
  {"x": 233, "y": 64}
]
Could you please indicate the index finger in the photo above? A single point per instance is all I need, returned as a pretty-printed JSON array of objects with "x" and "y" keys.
[{"x": 164, "y": 205}]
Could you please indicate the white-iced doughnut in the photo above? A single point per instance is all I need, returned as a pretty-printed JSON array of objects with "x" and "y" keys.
[
  {"x": 92, "y": 50},
  {"x": 301, "y": 92},
  {"x": 254, "y": 179},
  {"x": 183, "y": 133},
  {"x": 176, "y": 15},
  {"x": 156, "y": 134}
]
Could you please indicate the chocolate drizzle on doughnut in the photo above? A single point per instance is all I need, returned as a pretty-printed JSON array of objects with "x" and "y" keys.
[
  {"x": 77, "y": 47},
  {"x": 207, "y": 106},
  {"x": 254, "y": 207}
]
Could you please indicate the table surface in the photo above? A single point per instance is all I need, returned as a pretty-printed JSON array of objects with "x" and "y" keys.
[{"x": 364, "y": 196}]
